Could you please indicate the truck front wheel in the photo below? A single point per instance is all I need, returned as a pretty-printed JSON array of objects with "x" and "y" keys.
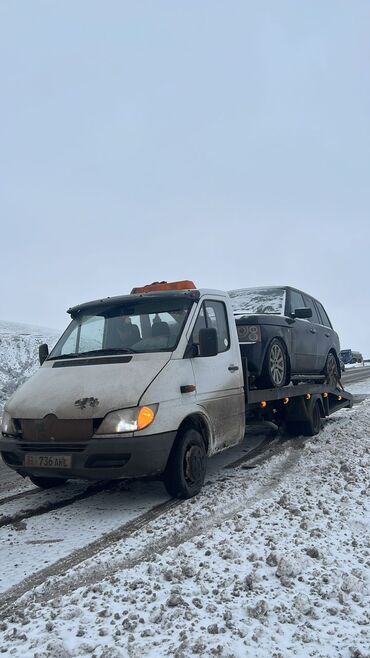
[{"x": 186, "y": 468}]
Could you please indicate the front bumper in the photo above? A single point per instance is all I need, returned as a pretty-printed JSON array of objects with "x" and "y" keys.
[{"x": 96, "y": 459}]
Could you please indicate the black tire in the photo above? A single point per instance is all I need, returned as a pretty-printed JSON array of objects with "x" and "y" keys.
[
  {"x": 309, "y": 427},
  {"x": 331, "y": 370},
  {"x": 186, "y": 468},
  {"x": 275, "y": 366},
  {"x": 294, "y": 428},
  {"x": 314, "y": 423},
  {"x": 47, "y": 483}
]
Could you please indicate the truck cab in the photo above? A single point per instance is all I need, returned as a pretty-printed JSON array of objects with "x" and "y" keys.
[{"x": 145, "y": 384}]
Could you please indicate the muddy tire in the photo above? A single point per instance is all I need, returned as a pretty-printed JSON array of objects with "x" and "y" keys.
[
  {"x": 47, "y": 483},
  {"x": 331, "y": 370},
  {"x": 309, "y": 427},
  {"x": 186, "y": 468}
]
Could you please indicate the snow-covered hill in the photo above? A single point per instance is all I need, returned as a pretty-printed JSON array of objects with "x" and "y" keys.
[{"x": 19, "y": 344}]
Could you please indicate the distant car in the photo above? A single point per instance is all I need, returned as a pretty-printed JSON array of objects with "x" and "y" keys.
[
  {"x": 286, "y": 335},
  {"x": 342, "y": 364},
  {"x": 351, "y": 356}
]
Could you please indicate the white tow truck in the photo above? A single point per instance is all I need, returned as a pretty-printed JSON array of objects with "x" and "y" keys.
[{"x": 147, "y": 384}]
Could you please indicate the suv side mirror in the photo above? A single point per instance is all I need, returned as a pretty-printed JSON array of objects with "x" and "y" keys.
[
  {"x": 43, "y": 353},
  {"x": 208, "y": 343},
  {"x": 303, "y": 313}
]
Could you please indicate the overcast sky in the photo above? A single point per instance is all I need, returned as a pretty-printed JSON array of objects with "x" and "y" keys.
[{"x": 225, "y": 142}]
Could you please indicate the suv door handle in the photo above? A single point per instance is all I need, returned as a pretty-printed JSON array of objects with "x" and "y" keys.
[
  {"x": 313, "y": 331},
  {"x": 327, "y": 335},
  {"x": 233, "y": 368}
]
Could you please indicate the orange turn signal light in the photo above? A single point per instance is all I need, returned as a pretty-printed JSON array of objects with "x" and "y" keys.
[
  {"x": 285, "y": 400},
  {"x": 145, "y": 417},
  {"x": 340, "y": 397},
  {"x": 308, "y": 396},
  {"x": 263, "y": 404},
  {"x": 324, "y": 395}
]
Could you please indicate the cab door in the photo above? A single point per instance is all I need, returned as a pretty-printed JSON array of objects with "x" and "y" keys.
[{"x": 219, "y": 379}]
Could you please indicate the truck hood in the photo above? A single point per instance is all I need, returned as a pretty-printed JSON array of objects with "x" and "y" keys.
[{"x": 86, "y": 391}]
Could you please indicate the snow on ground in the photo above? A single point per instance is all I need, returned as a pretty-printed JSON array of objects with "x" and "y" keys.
[
  {"x": 269, "y": 562},
  {"x": 69, "y": 528}
]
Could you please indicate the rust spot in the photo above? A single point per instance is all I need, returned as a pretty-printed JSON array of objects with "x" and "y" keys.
[{"x": 85, "y": 402}]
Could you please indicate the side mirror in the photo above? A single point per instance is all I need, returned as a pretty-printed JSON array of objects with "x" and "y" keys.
[
  {"x": 43, "y": 353},
  {"x": 303, "y": 313},
  {"x": 208, "y": 343}
]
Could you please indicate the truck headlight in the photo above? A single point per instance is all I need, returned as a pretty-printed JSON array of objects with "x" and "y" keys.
[
  {"x": 249, "y": 333},
  {"x": 7, "y": 424},
  {"x": 128, "y": 420}
]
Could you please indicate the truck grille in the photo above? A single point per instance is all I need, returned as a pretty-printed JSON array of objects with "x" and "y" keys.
[
  {"x": 52, "y": 447},
  {"x": 52, "y": 428}
]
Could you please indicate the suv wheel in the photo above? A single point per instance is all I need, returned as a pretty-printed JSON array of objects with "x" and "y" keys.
[
  {"x": 332, "y": 374},
  {"x": 274, "y": 371}
]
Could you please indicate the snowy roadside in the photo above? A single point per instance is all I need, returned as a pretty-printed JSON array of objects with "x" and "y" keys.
[{"x": 272, "y": 561}]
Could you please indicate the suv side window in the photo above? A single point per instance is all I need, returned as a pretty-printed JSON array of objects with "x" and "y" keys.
[
  {"x": 315, "y": 316},
  {"x": 324, "y": 318},
  {"x": 213, "y": 315},
  {"x": 296, "y": 300}
]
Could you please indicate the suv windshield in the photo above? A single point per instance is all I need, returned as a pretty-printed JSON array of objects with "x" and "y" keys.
[
  {"x": 145, "y": 325},
  {"x": 251, "y": 301}
]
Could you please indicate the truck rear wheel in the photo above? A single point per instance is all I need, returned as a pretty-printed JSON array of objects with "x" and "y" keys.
[
  {"x": 47, "y": 483},
  {"x": 308, "y": 427},
  {"x": 186, "y": 468}
]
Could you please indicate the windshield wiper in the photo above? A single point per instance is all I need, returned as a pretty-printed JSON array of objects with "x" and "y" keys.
[
  {"x": 108, "y": 350},
  {"x": 72, "y": 355}
]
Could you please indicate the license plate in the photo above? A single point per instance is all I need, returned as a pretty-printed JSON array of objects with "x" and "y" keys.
[{"x": 47, "y": 461}]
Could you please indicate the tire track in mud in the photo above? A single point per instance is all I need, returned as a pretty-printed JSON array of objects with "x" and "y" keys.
[
  {"x": 58, "y": 568},
  {"x": 20, "y": 494},
  {"x": 257, "y": 456},
  {"x": 51, "y": 506}
]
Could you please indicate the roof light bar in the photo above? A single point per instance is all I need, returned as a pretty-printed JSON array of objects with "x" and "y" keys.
[{"x": 157, "y": 286}]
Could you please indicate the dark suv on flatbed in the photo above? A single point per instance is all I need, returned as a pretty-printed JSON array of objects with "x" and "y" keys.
[{"x": 286, "y": 336}]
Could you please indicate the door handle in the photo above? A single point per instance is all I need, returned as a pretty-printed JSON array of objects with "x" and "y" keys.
[
  {"x": 233, "y": 368},
  {"x": 313, "y": 331},
  {"x": 327, "y": 335}
]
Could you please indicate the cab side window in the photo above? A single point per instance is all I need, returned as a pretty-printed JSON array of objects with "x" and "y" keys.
[
  {"x": 213, "y": 315},
  {"x": 216, "y": 317},
  {"x": 199, "y": 324}
]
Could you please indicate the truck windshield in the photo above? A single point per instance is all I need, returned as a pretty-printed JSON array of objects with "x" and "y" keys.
[
  {"x": 145, "y": 325},
  {"x": 252, "y": 301}
]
